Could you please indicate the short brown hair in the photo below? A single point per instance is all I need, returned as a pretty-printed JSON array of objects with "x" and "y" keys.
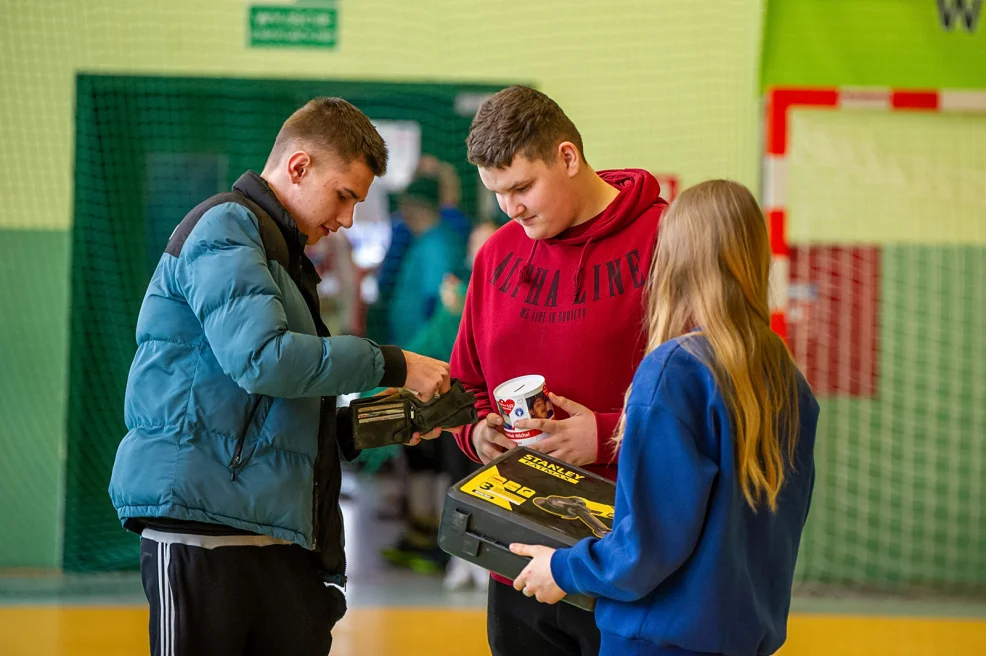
[
  {"x": 332, "y": 124},
  {"x": 518, "y": 120}
]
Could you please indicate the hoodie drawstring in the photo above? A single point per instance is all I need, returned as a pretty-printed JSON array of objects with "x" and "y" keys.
[
  {"x": 527, "y": 273},
  {"x": 578, "y": 270}
]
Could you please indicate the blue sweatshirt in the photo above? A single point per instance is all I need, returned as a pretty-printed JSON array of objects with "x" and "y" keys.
[{"x": 689, "y": 567}]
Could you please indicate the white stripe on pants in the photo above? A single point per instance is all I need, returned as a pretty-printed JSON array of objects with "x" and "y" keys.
[{"x": 166, "y": 601}]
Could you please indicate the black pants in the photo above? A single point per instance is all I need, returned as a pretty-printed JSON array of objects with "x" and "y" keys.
[
  {"x": 235, "y": 601},
  {"x": 517, "y": 625}
]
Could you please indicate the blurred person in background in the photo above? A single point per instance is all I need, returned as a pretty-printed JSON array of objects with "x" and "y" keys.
[
  {"x": 451, "y": 218},
  {"x": 435, "y": 252},
  {"x": 337, "y": 291},
  {"x": 429, "y": 483}
]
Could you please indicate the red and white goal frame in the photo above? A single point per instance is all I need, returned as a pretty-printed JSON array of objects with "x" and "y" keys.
[{"x": 777, "y": 144}]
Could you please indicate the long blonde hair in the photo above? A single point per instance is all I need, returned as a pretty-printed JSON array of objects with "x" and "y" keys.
[{"x": 710, "y": 274}]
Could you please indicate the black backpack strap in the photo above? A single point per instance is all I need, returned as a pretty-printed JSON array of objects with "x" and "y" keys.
[{"x": 270, "y": 235}]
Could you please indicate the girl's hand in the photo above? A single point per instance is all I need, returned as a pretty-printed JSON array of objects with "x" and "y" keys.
[{"x": 536, "y": 579}]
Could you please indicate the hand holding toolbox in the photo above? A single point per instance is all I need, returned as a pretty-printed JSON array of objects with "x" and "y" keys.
[
  {"x": 527, "y": 497},
  {"x": 386, "y": 420}
]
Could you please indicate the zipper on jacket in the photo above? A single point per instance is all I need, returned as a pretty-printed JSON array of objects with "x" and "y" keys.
[
  {"x": 317, "y": 504},
  {"x": 318, "y": 458},
  {"x": 342, "y": 527},
  {"x": 338, "y": 509},
  {"x": 338, "y": 517},
  {"x": 234, "y": 464},
  {"x": 315, "y": 526}
]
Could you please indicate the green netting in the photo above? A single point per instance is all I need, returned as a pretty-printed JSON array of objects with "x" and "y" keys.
[
  {"x": 900, "y": 503},
  {"x": 147, "y": 151}
]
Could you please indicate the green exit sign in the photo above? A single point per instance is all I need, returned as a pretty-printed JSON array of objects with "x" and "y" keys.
[{"x": 294, "y": 26}]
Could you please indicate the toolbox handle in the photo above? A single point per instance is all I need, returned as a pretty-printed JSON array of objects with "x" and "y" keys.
[
  {"x": 581, "y": 601},
  {"x": 471, "y": 541},
  {"x": 491, "y": 543},
  {"x": 471, "y": 547}
]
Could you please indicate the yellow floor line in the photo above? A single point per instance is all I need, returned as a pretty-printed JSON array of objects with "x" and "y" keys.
[{"x": 119, "y": 631}]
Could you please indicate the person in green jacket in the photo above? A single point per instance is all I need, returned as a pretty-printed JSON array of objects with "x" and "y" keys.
[{"x": 418, "y": 548}]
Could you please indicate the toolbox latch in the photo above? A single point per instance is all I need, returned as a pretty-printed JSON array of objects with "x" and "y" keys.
[{"x": 460, "y": 521}]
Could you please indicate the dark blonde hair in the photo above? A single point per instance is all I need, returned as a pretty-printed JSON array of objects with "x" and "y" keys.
[
  {"x": 335, "y": 126},
  {"x": 710, "y": 274},
  {"x": 518, "y": 120}
]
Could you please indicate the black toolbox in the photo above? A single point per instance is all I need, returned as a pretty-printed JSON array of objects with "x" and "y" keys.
[{"x": 527, "y": 497}]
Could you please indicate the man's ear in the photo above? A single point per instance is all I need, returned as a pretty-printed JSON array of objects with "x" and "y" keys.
[
  {"x": 299, "y": 165},
  {"x": 570, "y": 157}
]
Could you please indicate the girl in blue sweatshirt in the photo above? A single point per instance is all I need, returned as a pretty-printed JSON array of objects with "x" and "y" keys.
[{"x": 715, "y": 463}]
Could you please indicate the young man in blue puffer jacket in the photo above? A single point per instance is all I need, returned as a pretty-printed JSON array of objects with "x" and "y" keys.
[{"x": 230, "y": 470}]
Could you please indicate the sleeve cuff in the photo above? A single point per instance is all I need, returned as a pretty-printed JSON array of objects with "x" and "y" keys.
[
  {"x": 394, "y": 367},
  {"x": 561, "y": 572},
  {"x": 464, "y": 438},
  {"x": 344, "y": 434},
  {"x": 606, "y": 452}
]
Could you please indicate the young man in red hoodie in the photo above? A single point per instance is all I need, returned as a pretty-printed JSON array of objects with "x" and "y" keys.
[{"x": 556, "y": 292}]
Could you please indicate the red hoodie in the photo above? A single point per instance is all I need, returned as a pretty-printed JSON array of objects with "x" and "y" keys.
[{"x": 575, "y": 316}]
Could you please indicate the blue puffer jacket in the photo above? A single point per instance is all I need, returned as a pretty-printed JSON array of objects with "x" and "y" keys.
[{"x": 230, "y": 400}]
